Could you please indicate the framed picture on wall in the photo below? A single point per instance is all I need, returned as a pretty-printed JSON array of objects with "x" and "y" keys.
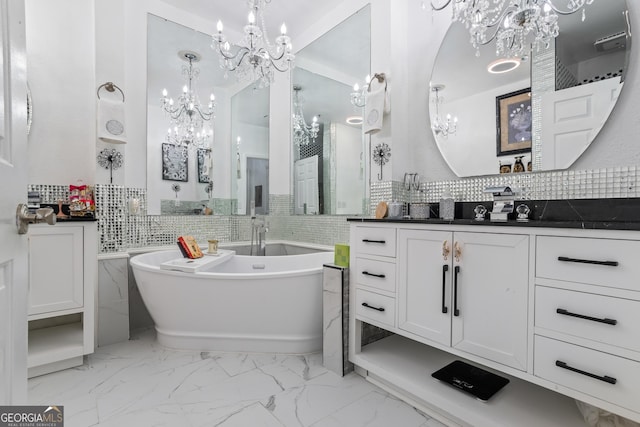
[
  {"x": 513, "y": 122},
  {"x": 174, "y": 163},
  {"x": 203, "y": 169}
]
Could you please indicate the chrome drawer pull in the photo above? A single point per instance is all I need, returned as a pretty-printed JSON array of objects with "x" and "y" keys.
[
  {"x": 588, "y": 261},
  {"x": 381, "y": 276},
  {"x": 582, "y": 316},
  {"x": 382, "y": 242},
  {"x": 364, "y": 304},
  {"x": 606, "y": 379}
]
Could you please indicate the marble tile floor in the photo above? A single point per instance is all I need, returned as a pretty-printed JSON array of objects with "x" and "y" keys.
[{"x": 139, "y": 383}]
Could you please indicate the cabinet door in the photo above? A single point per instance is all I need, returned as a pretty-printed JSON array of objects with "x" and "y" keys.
[
  {"x": 492, "y": 281},
  {"x": 55, "y": 268},
  {"x": 424, "y": 284}
]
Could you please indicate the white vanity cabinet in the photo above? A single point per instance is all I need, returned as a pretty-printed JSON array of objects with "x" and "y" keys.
[
  {"x": 62, "y": 281},
  {"x": 457, "y": 289},
  {"x": 556, "y": 311},
  {"x": 374, "y": 271}
]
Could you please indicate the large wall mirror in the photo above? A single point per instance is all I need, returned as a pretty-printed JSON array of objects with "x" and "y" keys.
[
  {"x": 250, "y": 151},
  {"x": 176, "y": 185},
  {"x": 329, "y": 164},
  {"x": 233, "y": 177},
  {"x": 574, "y": 86}
]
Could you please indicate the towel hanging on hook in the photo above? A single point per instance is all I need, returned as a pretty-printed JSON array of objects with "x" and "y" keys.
[
  {"x": 377, "y": 104},
  {"x": 111, "y": 117}
]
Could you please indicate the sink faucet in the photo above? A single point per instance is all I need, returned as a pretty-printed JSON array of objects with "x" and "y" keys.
[{"x": 259, "y": 229}]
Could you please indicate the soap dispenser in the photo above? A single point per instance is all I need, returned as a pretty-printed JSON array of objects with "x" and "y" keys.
[{"x": 447, "y": 206}]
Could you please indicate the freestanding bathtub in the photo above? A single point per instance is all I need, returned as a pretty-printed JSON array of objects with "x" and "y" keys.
[{"x": 270, "y": 304}]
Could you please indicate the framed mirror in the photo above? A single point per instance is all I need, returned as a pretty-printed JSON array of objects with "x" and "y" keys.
[
  {"x": 574, "y": 88},
  {"x": 329, "y": 160}
]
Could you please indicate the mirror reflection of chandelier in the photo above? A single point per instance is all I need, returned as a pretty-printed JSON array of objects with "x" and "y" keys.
[
  {"x": 440, "y": 127},
  {"x": 516, "y": 25},
  {"x": 188, "y": 116},
  {"x": 303, "y": 134},
  {"x": 255, "y": 58}
]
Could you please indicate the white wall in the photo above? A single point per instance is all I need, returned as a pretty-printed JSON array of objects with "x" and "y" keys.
[
  {"x": 70, "y": 54},
  {"x": 62, "y": 76}
]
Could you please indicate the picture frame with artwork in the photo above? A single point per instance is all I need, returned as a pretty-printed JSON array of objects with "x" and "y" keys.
[
  {"x": 175, "y": 161},
  {"x": 203, "y": 173},
  {"x": 513, "y": 123}
]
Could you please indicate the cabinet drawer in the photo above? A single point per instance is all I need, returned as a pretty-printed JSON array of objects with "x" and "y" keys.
[
  {"x": 375, "y": 241},
  {"x": 380, "y": 308},
  {"x": 377, "y": 274},
  {"x": 586, "y": 371},
  {"x": 609, "y": 320},
  {"x": 603, "y": 262}
]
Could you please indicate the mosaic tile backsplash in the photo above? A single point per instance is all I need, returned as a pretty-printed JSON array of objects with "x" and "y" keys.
[{"x": 120, "y": 230}]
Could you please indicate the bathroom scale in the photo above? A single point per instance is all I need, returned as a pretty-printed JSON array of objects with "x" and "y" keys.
[{"x": 471, "y": 379}]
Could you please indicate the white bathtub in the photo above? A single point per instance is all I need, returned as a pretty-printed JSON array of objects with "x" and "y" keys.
[{"x": 270, "y": 304}]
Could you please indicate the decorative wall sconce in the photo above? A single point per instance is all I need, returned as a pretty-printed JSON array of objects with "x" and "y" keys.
[{"x": 381, "y": 155}]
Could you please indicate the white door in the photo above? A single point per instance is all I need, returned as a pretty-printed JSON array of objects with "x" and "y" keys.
[
  {"x": 424, "y": 284},
  {"x": 490, "y": 287},
  {"x": 306, "y": 186},
  {"x": 572, "y": 118},
  {"x": 13, "y": 176}
]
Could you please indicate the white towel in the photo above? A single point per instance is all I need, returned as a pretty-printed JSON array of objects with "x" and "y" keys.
[
  {"x": 375, "y": 107},
  {"x": 111, "y": 125}
]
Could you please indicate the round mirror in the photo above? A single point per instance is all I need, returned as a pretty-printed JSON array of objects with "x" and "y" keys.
[{"x": 543, "y": 111}]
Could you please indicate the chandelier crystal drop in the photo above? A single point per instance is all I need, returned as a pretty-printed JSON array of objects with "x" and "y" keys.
[
  {"x": 441, "y": 127},
  {"x": 255, "y": 58},
  {"x": 190, "y": 120},
  {"x": 303, "y": 134},
  {"x": 517, "y": 26}
]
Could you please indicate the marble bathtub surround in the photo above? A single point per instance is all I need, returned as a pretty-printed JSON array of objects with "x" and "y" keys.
[
  {"x": 139, "y": 383},
  {"x": 113, "y": 300}
]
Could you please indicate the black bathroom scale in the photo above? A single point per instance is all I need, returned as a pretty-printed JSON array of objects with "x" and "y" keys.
[{"x": 471, "y": 379}]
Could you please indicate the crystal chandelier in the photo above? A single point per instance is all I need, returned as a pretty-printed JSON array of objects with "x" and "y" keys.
[
  {"x": 303, "y": 134},
  {"x": 359, "y": 96},
  {"x": 188, "y": 116},
  {"x": 440, "y": 127},
  {"x": 255, "y": 58},
  {"x": 517, "y": 26}
]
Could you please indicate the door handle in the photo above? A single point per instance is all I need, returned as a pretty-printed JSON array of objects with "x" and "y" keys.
[
  {"x": 456, "y": 270},
  {"x": 24, "y": 217},
  {"x": 445, "y": 268}
]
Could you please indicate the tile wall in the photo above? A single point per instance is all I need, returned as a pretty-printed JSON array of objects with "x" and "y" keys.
[{"x": 119, "y": 230}]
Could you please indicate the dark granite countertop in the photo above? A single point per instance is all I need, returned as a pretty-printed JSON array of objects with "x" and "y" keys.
[{"x": 591, "y": 214}]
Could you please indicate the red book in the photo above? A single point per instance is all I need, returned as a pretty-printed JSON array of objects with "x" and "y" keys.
[
  {"x": 182, "y": 249},
  {"x": 191, "y": 246}
]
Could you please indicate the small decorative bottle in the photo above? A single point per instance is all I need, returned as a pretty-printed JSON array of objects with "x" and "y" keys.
[{"x": 447, "y": 206}]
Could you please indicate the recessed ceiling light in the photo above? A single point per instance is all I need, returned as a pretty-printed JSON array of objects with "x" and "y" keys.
[
  {"x": 503, "y": 65},
  {"x": 354, "y": 120}
]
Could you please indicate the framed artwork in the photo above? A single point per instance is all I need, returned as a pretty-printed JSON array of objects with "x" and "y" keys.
[
  {"x": 174, "y": 163},
  {"x": 203, "y": 172},
  {"x": 513, "y": 122}
]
